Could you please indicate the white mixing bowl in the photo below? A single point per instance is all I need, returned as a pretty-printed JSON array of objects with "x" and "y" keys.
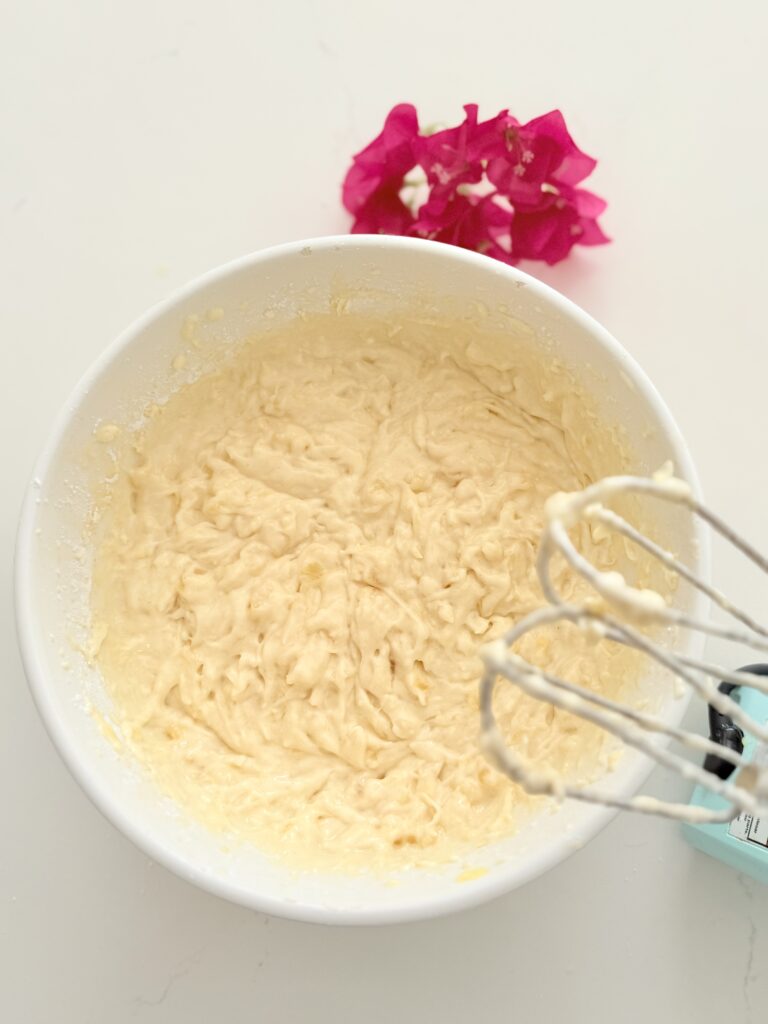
[{"x": 52, "y": 569}]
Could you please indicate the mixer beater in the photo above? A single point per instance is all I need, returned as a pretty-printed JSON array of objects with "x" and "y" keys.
[{"x": 624, "y": 614}]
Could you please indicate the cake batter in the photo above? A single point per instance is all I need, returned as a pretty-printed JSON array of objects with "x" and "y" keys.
[{"x": 298, "y": 562}]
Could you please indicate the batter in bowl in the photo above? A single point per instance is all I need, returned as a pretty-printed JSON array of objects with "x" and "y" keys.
[{"x": 299, "y": 559}]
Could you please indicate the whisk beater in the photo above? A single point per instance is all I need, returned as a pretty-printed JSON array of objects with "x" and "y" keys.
[{"x": 618, "y": 612}]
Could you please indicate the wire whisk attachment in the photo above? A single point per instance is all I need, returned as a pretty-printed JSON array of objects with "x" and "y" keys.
[{"x": 629, "y": 615}]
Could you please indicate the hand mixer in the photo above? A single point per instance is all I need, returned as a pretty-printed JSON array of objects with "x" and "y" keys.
[{"x": 732, "y": 783}]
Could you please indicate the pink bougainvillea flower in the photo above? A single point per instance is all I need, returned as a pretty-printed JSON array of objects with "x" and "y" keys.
[
  {"x": 566, "y": 217},
  {"x": 372, "y": 185},
  {"x": 537, "y": 154},
  {"x": 457, "y": 156},
  {"x": 497, "y": 186},
  {"x": 384, "y": 212},
  {"x": 472, "y": 222}
]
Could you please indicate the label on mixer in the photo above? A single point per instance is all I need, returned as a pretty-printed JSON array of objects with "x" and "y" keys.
[{"x": 750, "y": 828}]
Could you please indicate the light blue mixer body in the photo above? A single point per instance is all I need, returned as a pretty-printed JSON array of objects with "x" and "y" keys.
[{"x": 743, "y": 843}]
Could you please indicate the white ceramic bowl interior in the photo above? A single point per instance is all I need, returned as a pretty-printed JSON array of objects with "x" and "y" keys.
[{"x": 382, "y": 274}]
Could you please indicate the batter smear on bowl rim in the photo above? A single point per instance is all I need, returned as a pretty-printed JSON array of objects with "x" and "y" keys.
[{"x": 296, "y": 565}]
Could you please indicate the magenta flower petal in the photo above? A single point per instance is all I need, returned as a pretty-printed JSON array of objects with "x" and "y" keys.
[
  {"x": 383, "y": 213},
  {"x": 384, "y": 162},
  {"x": 507, "y": 178},
  {"x": 537, "y": 235},
  {"x": 456, "y": 156},
  {"x": 472, "y": 222},
  {"x": 567, "y": 163},
  {"x": 550, "y": 232},
  {"x": 588, "y": 204},
  {"x": 591, "y": 233},
  {"x": 538, "y": 153}
]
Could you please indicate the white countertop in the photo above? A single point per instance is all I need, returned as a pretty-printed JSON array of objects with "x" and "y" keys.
[{"x": 144, "y": 143}]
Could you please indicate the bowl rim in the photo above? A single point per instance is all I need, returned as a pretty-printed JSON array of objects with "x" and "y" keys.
[{"x": 503, "y": 879}]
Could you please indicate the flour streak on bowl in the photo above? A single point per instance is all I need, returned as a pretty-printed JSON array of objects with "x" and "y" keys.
[{"x": 380, "y": 275}]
